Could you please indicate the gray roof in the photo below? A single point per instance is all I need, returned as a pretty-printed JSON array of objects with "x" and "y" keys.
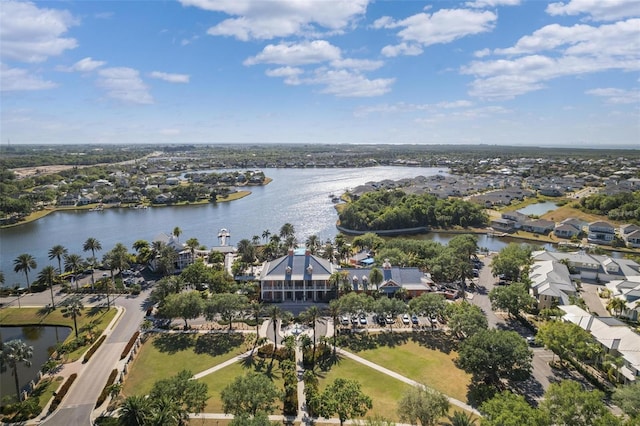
[{"x": 295, "y": 266}]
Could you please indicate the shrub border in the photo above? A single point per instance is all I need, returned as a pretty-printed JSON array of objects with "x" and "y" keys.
[
  {"x": 57, "y": 399},
  {"x": 130, "y": 344},
  {"x": 93, "y": 349},
  {"x": 105, "y": 389}
]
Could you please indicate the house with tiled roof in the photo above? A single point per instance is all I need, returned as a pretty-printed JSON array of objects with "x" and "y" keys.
[{"x": 613, "y": 335}]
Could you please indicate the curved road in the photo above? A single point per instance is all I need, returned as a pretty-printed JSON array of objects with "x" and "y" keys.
[{"x": 77, "y": 405}]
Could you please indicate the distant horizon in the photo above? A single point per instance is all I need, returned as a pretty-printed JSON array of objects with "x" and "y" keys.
[{"x": 459, "y": 72}]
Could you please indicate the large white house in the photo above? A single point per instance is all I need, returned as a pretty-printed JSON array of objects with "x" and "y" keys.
[{"x": 592, "y": 267}]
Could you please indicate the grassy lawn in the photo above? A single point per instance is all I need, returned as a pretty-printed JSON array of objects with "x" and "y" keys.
[
  {"x": 218, "y": 380},
  {"x": 163, "y": 355},
  {"x": 567, "y": 211},
  {"x": 422, "y": 356}
]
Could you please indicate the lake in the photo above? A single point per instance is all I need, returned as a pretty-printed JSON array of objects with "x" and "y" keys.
[
  {"x": 296, "y": 196},
  {"x": 43, "y": 339},
  {"x": 538, "y": 209}
]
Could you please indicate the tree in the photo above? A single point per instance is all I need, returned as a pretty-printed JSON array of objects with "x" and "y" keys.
[
  {"x": 334, "y": 312},
  {"x": 508, "y": 409},
  {"x": 616, "y": 305},
  {"x": 512, "y": 298},
  {"x": 15, "y": 352},
  {"x": 228, "y": 305},
  {"x": 566, "y": 338},
  {"x": 512, "y": 261},
  {"x": 465, "y": 319},
  {"x": 310, "y": 316},
  {"x": 392, "y": 307},
  {"x": 344, "y": 398},
  {"x": 430, "y": 304},
  {"x": 275, "y": 313},
  {"x": 249, "y": 394},
  {"x": 24, "y": 263},
  {"x": 48, "y": 277},
  {"x": 93, "y": 245},
  {"x": 182, "y": 394},
  {"x": 567, "y": 403},
  {"x": 375, "y": 277},
  {"x": 72, "y": 307},
  {"x": 197, "y": 274},
  {"x": 287, "y": 230},
  {"x": 460, "y": 418},
  {"x": 495, "y": 355},
  {"x": 260, "y": 419},
  {"x": 177, "y": 232},
  {"x": 187, "y": 306},
  {"x": 265, "y": 235},
  {"x": 628, "y": 399},
  {"x": 73, "y": 263},
  {"x": 58, "y": 252},
  {"x": 422, "y": 404},
  {"x": 135, "y": 410}
]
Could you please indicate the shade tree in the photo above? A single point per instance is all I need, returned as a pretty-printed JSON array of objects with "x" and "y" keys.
[
  {"x": 249, "y": 395},
  {"x": 513, "y": 298},
  {"x": 186, "y": 305},
  {"x": 343, "y": 398},
  {"x": 423, "y": 405},
  {"x": 465, "y": 320}
]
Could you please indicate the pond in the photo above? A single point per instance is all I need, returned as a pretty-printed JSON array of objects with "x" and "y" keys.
[
  {"x": 538, "y": 209},
  {"x": 43, "y": 339}
]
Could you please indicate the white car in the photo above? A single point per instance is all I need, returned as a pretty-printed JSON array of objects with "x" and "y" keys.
[
  {"x": 406, "y": 319},
  {"x": 344, "y": 320}
]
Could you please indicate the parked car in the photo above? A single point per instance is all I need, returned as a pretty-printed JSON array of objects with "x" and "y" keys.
[
  {"x": 389, "y": 319},
  {"x": 363, "y": 319},
  {"x": 344, "y": 320},
  {"x": 381, "y": 320},
  {"x": 414, "y": 320},
  {"x": 405, "y": 319}
]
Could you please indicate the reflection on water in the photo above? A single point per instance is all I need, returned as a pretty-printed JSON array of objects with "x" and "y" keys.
[{"x": 43, "y": 339}]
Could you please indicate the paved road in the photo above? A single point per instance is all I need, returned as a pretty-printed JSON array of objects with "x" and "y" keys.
[{"x": 542, "y": 375}]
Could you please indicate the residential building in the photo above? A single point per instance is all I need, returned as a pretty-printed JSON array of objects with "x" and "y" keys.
[
  {"x": 613, "y": 335},
  {"x": 592, "y": 267},
  {"x": 568, "y": 228},
  {"x": 601, "y": 232},
  {"x": 412, "y": 280},
  {"x": 551, "y": 283},
  {"x": 629, "y": 291}
]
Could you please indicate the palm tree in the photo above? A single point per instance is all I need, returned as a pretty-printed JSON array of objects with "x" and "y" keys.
[
  {"x": 265, "y": 235},
  {"x": 275, "y": 313},
  {"x": 48, "y": 275},
  {"x": 25, "y": 263},
  {"x": 312, "y": 243},
  {"x": 311, "y": 316},
  {"x": 287, "y": 230},
  {"x": 93, "y": 245},
  {"x": 255, "y": 309},
  {"x": 375, "y": 277},
  {"x": 255, "y": 240},
  {"x": 460, "y": 418},
  {"x": 15, "y": 352},
  {"x": 334, "y": 312},
  {"x": 616, "y": 305},
  {"x": 134, "y": 411},
  {"x": 177, "y": 232},
  {"x": 193, "y": 244},
  {"x": 58, "y": 252},
  {"x": 73, "y": 263},
  {"x": 72, "y": 307}
]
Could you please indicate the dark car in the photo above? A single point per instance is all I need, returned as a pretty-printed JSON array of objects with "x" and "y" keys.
[{"x": 414, "y": 319}]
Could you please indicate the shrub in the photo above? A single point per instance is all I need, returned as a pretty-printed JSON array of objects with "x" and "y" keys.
[
  {"x": 105, "y": 390},
  {"x": 57, "y": 399},
  {"x": 130, "y": 344},
  {"x": 93, "y": 349}
]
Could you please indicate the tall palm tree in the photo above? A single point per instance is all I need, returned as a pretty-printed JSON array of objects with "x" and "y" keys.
[
  {"x": 265, "y": 235},
  {"x": 375, "y": 277},
  {"x": 193, "y": 244},
  {"x": 312, "y": 243},
  {"x": 255, "y": 240},
  {"x": 334, "y": 311},
  {"x": 25, "y": 263},
  {"x": 310, "y": 316},
  {"x": 255, "y": 310},
  {"x": 72, "y": 307},
  {"x": 48, "y": 276},
  {"x": 275, "y": 313},
  {"x": 73, "y": 263},
  {"x": 58, "y": 252},
  {"x": 92, "y": 245},
  {"x": 15, "y": 352},
  {"x": 134, "y": 411},
  {"x": 287, "y": 230},
  {"x": 177, "y": 232},
  {"x": 616, "y": 305}
]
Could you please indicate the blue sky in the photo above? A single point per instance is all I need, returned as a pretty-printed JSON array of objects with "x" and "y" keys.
[{"x": 506, "y": 72}]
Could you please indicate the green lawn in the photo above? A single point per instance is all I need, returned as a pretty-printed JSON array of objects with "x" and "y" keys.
[
  {"x": 424, "y": 357},
  {"x": 385, "y": 391},
  {"x": 218, "y": 380},
  {"x": 163, "y": 355}
]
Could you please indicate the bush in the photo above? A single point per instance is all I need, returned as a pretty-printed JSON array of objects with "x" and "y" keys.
[
  {"x": 105, "y": 390},
  {"x": 57, "y": 398},
  {"x": 130, "y": 344},
  {"x": 93, "y": 349}
]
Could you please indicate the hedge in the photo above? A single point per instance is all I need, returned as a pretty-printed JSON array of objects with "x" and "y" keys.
[
  {"x": 93, "y": 349},
  {"x": 105, "y": 389},
  {"x": 130, "y": 344},
  {"x": 57, "y": 399}
]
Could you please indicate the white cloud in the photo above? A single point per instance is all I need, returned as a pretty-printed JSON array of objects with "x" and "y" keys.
[
  {"x": 616, "y": 96},
  {"x": 443, "y": 26},
  {"x": 280, "y": 18},
  {"x": 124, "y": 84},
  {"x": 171, "y": 78},
  {"x": 403, "y": 107},
  {"x": 290, "y": 74},
  {"x": 296, "y": 54},
  {"x": 83, "y": 65},
  {"x": 599, "y": 10},
  {"x": 357, "y": 64},
  {"x": 482, "y": 53},
  {"x": 392, "y": 51},
  {"x": 492, "y": 3},
  {"x": 18, "y": 79},
  {"x": 454, "y": 104},
  {"x": 555, "y": 51},
  {"x": 343, "y": 83},
  {"x": 31, "y": 34}
]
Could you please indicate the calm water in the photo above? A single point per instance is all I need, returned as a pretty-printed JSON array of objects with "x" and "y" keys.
[
  {"x": 43, "y": 339},
  {"x": 296, "y": 196},
  {"x": 538, "y": 209}
]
